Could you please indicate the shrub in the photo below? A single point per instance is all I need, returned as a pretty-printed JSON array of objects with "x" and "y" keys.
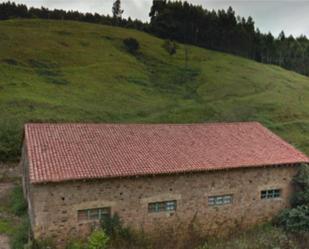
[
  {"x": 75, "y": 245},
  {"x": 170, "y": 47},
  {"x": 112, "y": 225},
  {"x": 295, "y": 219},
  {"x": 123, "y": 237},
  {"x": 301, "y": 182},
  {"x": 18, "y": 202},
  {"x": 97, "y": 240},
  {"x": 131, "y": 44},
  {"x": 300, "y": 198}
]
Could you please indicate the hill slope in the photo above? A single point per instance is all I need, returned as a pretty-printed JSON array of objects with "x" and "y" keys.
[{"x": 78, "y": 72}]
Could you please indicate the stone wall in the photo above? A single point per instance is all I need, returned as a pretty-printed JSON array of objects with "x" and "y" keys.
[{"x": 54, "y": 206}]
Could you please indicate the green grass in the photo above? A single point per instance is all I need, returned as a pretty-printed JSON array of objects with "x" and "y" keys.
[
  {"x": 260, "y": 237},
  {"x": 6, "y": 227},
  {"x": 77, "y": 72}
]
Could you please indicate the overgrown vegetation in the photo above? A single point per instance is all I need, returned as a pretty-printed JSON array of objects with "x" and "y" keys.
[
  {"x": 260, "y": 237},
  {"x": 296, "y": 219},
  {"x": 18, "y": 202},
  {"x": 21, "y": 235}
]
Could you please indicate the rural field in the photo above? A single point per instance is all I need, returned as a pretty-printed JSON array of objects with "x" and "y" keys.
[{"x": 65, "y": 71}]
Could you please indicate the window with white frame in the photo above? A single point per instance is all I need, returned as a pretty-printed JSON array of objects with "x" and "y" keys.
[
  {"x": 220, "y": 200},
  {"x": 164, "y": 206},
  {"x": 270, "y": 194},
  {"x": 93, "y": 214}
]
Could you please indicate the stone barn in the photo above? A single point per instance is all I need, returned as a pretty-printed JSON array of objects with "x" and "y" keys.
[{"x": 222, "y": 175}]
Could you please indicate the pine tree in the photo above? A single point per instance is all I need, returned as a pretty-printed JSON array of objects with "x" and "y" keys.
[{"x": 117, "y": 11}]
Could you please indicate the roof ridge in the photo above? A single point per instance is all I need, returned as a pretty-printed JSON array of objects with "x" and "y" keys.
[{"x": 145, "y": 124}]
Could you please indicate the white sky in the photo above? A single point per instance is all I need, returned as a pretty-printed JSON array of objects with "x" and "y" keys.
[{"x": 292, "y": 16}]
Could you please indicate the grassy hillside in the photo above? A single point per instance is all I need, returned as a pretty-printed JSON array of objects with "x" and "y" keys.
[{"x": 78, "y": 72}]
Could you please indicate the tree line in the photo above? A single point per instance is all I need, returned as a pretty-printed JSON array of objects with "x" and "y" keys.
[
  {"x": 10, "y": 10},
  {"x": 181, "y": 21},
  {"x": 224, "y": 31}
]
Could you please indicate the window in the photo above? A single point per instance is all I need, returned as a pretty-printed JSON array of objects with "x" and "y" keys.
[
  {"x": 164, "y": 206},
  {"x": 220, "y": 200},
  {"x": 93, "y": 214},
  {"x": 270, "y": 193}
]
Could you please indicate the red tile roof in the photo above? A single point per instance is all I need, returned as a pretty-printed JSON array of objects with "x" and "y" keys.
[{"x": 62, "y": 152}]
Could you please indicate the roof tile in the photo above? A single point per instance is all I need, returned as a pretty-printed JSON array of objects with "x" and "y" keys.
[{"x": 63, "y": 152}]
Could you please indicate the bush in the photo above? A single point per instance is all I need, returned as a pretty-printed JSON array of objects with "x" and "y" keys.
[
  {"x": 131, "y": 44},
  {"x": 112, "y": 225},
  {"x": 123, "y": 237},
  {"x": 301, "y": 182},
  {"x": 300, "y": 198},
  {"x": 295, "y": 219},
  {"x": 18, "y": 202},
  {"x": 75, "y": 245},
  {"x": 97, "y": 240},
  {"x": 170, "y": 47}
]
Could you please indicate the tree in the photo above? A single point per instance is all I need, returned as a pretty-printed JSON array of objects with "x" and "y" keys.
[
  {"x": 297, "y": 218},
  {"x": 117, "y": 11}
]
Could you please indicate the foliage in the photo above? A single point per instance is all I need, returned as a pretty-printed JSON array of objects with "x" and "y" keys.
[
  {"x": 117, "y": 11},
  {"x": 97, "y": 240},
  {"x": 225, "y": 31},
  {"x": 295, "y": 219},
  {"x": 9, "y": 10},
  {"x": 18, "y": 202},
  {"x": 121, "y": 236},
  {"x": 111, "y": 224},
  {"x": 75, "y": 245},
  {"x": 260, "y": 237},
  {"x": 21, "y": 235},
  {"x": 131, "y": 44},
  {"x": 170, "y": 47},
  {"x": 302, "y": 178},
  {"x": 301, "y": 182}
]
